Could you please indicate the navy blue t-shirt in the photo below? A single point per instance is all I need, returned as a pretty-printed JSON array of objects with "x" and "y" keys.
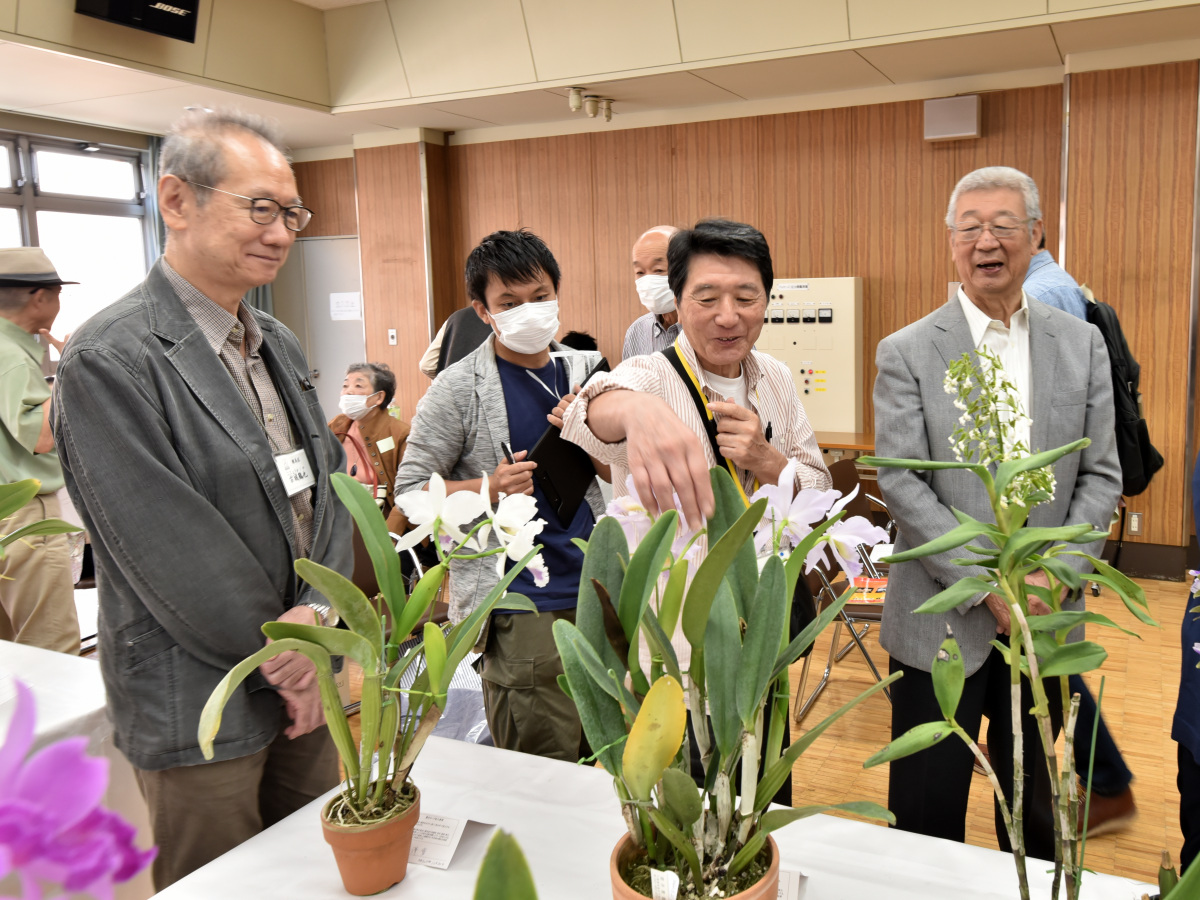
[{"x": 528, "y": 403}]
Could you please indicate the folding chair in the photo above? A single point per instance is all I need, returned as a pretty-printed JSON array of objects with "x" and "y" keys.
[{"x": 845, "y": 479}]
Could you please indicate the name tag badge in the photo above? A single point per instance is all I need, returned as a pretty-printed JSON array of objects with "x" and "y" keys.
[
  {"x": 385, "y": 445},
  {"x": 295, "y": 471}
]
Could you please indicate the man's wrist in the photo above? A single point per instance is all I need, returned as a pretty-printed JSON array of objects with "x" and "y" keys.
[{"x": 329, "y": 616}]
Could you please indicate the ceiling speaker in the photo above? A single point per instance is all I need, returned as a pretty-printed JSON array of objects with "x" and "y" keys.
[{"x": 953, "y": 118}]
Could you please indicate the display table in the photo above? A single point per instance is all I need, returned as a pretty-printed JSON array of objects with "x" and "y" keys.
[
  {"x": 567, "y": 820},
  {"x": 70, "y": 701}
]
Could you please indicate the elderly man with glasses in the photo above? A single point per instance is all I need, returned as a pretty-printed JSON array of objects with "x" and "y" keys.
[
  {"x": 1060, "y": 368},
  {"x": 198, "y": 455}
]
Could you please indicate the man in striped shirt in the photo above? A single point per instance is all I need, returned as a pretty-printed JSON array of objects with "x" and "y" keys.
[
  {"x": 641, "y": 418},
  {"x": 659, "y": 327}
]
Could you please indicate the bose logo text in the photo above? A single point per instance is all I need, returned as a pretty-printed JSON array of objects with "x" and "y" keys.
[{"x": 171, "y": 9}]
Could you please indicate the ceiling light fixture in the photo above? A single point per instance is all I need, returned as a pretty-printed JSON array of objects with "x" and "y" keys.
[
  {"x": 606, "y": 108},
  {"x": 575, "y": 99},
  {"x": 591, "y": 105}
]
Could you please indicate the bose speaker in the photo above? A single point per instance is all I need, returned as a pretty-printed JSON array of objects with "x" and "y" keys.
[
  {"x": 173, "y": 19},
  {"x": 952, "y": 118}
]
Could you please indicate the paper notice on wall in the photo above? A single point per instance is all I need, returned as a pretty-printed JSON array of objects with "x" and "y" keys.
[
  {"x": 792, "y": 884},
  {"x": 345, "y": 306},
  {"x": 434, "y": 841}
]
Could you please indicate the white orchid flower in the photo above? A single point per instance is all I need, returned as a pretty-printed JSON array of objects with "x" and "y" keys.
[
  {"x": 844, "y": 538},
  {"x": 790, "y": 517},
  {"x": 431, "y": 510}
]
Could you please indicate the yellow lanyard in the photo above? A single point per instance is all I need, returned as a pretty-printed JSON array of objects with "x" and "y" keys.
[{"x": 737, "y": 480}]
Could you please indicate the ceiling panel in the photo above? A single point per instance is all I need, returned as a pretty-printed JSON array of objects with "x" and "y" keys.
[
  {"x": 713, "y": 29},
  {"x": 334, "y": 4},
  {"x": 879, "y": 18},
  {"x": 8, "y": 15},
  {"x": 1111, "y": 32},
  {"x": 573, "y": 36},
  {"x": 33, "y": 77},
  {"x": 419, "y": 116},
  {"x": 512, "y": 109},
  {"x": 237, "y": 55},
  {"x": 487, "y": 48},
  {"x": 817, "y": 74},
  {"x": 364, "y": 60},
  {"x": 667, "y": 91},
  {"x": 971, "y": 54}
]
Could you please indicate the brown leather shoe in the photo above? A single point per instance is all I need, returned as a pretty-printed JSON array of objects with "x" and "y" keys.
[{"x": 1109, "y": 814}]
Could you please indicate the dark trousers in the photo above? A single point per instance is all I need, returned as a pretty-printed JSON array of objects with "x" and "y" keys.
[
  {"x": 929, "y": 791},
  {"x": 1110, "y": 775},
  {"x": 1188, "y": 782}
]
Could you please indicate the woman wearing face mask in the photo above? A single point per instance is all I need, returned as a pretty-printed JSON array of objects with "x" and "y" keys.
[{"x": 374, "y": 440}]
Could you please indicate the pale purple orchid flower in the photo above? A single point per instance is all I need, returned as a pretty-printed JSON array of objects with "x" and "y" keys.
[
  {"x": 1195, "y": 582},
  {"x": 790, "y": 518},
  {"x": 844, "y": 538},
  {"x": 635, "y": 521},
  {"x": 52, "y": 827}
]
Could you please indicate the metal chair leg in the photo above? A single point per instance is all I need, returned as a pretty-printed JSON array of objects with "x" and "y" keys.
[
  {"x": 803, "y": 708},
  {"x": 867, "y": 656}
]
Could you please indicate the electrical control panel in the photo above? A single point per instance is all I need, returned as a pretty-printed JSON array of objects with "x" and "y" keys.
[{"x": 814, "y": 327}]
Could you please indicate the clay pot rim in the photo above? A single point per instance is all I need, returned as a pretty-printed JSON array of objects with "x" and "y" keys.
[
  {"x": 625, "y": 839},
  {"x": 368, "y": 826}
]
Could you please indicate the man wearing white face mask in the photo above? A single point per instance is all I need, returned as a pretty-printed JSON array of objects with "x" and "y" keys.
[
  {"x": 498, "y": 399},
  {"x": 659, "y": 327}
]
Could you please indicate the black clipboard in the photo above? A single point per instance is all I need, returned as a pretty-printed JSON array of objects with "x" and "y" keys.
[{"x": 564, "y": 470}]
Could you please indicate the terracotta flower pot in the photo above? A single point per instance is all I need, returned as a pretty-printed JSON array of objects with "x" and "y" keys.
[
  {"x": 371, "y": 858},
  {"x": 767, "y": 888}
]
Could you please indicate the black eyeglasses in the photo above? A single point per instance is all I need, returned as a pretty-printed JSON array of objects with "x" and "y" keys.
[{"x": 264, "y": 210}]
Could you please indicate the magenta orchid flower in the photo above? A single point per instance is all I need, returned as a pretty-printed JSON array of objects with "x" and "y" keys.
[{"x": 53, "y": 830}]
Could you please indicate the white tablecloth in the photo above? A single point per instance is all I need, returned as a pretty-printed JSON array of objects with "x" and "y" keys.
[
  {"x": 567, "y": 821},
  {"x": 70, "y": 702}
]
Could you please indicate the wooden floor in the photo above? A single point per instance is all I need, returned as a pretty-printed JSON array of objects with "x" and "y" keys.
[{"x": 1142, "y": 679}]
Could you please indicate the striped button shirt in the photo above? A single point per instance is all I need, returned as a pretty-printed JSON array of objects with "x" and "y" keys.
[
  {"x": 225, "y": 334},
  {"x": 646, "y": 335}
]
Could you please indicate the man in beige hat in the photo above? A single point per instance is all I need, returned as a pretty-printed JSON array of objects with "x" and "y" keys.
[{"x": 37, "y": 592}]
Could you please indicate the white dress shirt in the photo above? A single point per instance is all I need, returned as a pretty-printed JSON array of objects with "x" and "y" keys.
[{"x": 1011, "y": 344}]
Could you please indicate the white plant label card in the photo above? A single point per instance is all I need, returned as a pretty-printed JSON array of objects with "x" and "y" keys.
[
  {"x": 664, "y": 885},
  {"x": 434, "y": 841},
  {"x": 792, "y": 884}
]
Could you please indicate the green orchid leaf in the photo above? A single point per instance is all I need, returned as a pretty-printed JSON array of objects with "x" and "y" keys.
[
  {"x": 351, "y": 603},
  {"x": 1026, "y": 540},
  {"x": 645, "y": 566},
  {"x": 15, "y": 495},
  {"x": 436, "y": 669},
  {"x": 601, "y": 716},
  {"x": 926, "y": 465},
  {"x": 722, "y": 661},
  {"x": 1071, "y": 659},
  {"x": 463, "y": 636},
  {"x": 1130, "y": 593},
  {"x": 683, "y": 846},
  {"x": 808, "y": 634},
  {"x": 796, "y": 559},
  {"x": 604, "y": 564},
  {"x": 776, "y": 773},
  {"x": 1007, "y": 471},
  {"x": 356, "y": 497},
  {"x": 337, "y": 641},
  {"x": 711, "y": 574},
  {"x": 1062, "y": 570},
  {"x": 912, "y": 741},
  {"x": 1073, "y": 618},
  {"x": 775, "y": 819},
  {"x": 948, "y": 677},
  {"x": 41, "y": 528},
  {"x": 505, "y": 874},
  {"x": 681, "y": 798},
  {"x": 765, "y": 630},
  {"x": 956, "y": 595},
  {"x": 728, "y": 507},
  {"x": 660, "y": 644},
  {"x": 418, "y": 604},
  {"x": 951, "y": 540},
  {"x": 672, "y": 600}
]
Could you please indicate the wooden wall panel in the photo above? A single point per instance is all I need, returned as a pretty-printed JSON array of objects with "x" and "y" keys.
[
  {"x": 1131, "y": 180},
  {"x": 632, "y": 172},
  {"x": 446, "y": 272},
  {"x": 483, "y": 199},
  {"x": 392, "y": 247},
  {"x": 554, "y": 200},
  {"x": 327, "y": 188},
  {"x": 715, "y": 170}
]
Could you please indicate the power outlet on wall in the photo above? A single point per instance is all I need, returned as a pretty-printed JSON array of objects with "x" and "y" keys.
[
  {"x": 392, "y": 336},
  {"x": 1135, "y": 523}
]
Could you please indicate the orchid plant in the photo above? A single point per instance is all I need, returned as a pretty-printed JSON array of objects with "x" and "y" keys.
[
  {"x": 377, "y": 629},
  {"x": 986, "y": 441},
  {"x": 54, "y": 834},
  {"x": 642, "y": 580}
]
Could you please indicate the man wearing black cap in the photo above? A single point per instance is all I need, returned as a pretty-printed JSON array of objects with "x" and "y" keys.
[{"x": 37, "y": 593}]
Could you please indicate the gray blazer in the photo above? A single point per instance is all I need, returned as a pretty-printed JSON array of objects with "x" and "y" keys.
[
  {"x": 457, "y": 431},
  {"x": 190, "y": 523},
  {"x": 914, "y": 416}
]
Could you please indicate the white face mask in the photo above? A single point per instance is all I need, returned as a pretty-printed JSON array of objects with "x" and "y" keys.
[
  {"x": 354, "y": 405},
  {"x": 527, "y": 328},
  {"x": 656, "y": 294}
]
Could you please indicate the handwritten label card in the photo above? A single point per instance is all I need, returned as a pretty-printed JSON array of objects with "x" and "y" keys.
[{"x": 434, "y": 841}]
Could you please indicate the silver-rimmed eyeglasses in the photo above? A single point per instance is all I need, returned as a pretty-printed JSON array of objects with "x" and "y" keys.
[
  {"x": 969, "y": 232},
  {"x": 264, "y": 210}
]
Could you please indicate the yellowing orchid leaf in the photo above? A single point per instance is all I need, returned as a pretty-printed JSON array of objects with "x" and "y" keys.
[{"x": 655, "y": 738}]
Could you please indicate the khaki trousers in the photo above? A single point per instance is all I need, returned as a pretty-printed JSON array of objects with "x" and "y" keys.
[
  {"x": 37, "y": 593},
  {"x": 199, "y": 812},
  {"x": 526, "y": 709}
]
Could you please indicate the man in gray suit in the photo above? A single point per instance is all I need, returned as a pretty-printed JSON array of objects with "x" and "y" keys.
[
  {"x": 1060, "y": 368},
  {"x": 197, "y": 453}
]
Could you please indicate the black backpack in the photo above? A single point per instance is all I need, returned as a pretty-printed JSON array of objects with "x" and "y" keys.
[{"x": 1139, "y": 459}]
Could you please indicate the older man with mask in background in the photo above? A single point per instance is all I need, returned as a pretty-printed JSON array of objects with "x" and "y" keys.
[
  {"x": 1060, "y": 370},
  {"x": 658, "y": 328},
  {"x": 198, "y": 455}
]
